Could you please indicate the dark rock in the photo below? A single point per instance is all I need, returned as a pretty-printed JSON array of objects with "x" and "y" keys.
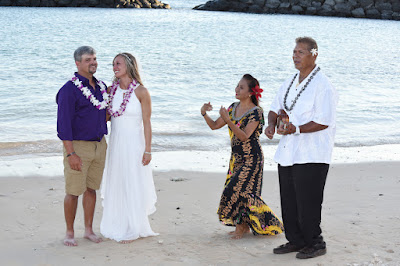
[
  {"x": 311, "y": 10},
  {"x": 219, "y": 5},
  {"x": 92, "y": 3},
  {"x": 297, "y": 9},
  {"x": 396, "y": 7},
  {"x": 366, "y": 3},
  {"x": 330, "y": 3},
  {"x": 386, "y": 14},
  {"x": 255, "y": 9},
  {"x": 145, "y": 4},
  {"x": 396, "y": 15},
  {"x": 22, "y": 3},
  {"x": 343, "y": 9},
  {"x": 358, "y": 12},
  {"x": 5, "y": 3},
  {"x": 326, "y": 10},
  {"x": 353, "y": 3},
  {"x": 64, "y": 2},
  {"x": 223, "y": 5},
  {"x": 316, "y": 4},
  {"x": 373, "y": 13},
  {"x": 199, "y": 7},
  {"x": 47, "y": 3},
  {"x": 304, "y": 3},
  {"x": 233, "y": 6},
  {"x": 166, "y": 6},
  {"x": 272, "y": 3},
  {"x": 286, "y": 11},
  {"x": 284, "y": 6},
  {"x": 383, "y": 6},
  {"x": 260, "y": 3},
  {"x": 35, "y": 3}
]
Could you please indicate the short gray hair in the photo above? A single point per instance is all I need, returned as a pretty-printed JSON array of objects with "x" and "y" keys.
[
  {"x": 310, "y": 42},
  {"x": 83, "y": 50}
]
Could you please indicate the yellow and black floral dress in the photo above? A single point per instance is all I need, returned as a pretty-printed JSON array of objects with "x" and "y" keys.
[{"x": 241, "y": 200}]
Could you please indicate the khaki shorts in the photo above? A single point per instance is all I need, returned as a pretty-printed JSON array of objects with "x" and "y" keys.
[{"x": 93, "y": 156}]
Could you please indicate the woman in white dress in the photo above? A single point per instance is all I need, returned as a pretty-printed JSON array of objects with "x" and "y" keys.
[{"x": 128, "y": 190}]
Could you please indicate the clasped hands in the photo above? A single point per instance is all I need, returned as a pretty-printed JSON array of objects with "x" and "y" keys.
[{"x": 222, "y": 111}]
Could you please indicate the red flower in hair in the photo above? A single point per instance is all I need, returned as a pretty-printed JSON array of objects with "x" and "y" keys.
[{"x": 257, "y": 91}]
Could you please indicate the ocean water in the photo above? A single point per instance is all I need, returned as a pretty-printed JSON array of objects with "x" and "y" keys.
[{"x": 187, "y": 58}]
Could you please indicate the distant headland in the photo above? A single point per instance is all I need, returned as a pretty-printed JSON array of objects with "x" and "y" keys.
[
  {"x": 374, "y": 9},
  {"x": 87, "y": 3}
]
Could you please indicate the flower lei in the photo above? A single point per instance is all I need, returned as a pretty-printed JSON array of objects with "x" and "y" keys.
[
  {"x": 257, "y": 91},
  {"x": 300, "y": 92},
  {"x": 127, "y": 95},
  {"x": 89, "y": 95}
]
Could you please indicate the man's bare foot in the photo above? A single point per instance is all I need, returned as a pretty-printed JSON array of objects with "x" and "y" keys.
[
  {"x": 125, "y": 241},
  {"x": 69, "y": 240},
  {"x": 241, "y": 229},
  {"x": 92, "y": 237}
]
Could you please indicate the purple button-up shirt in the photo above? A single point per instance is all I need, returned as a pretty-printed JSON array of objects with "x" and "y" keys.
[{"x": 77, "y": 118}]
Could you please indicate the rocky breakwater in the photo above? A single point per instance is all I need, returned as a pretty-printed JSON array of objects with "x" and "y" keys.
[
  {"x": 87, "y": 3},
  {"x": 375, "y": 9}
]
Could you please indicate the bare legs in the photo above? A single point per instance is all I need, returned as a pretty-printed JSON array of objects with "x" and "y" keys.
[
  {"x": 70, "y": 207},
  {"x": 240, "y": 230},
  {"x": 89, "y": 202}
]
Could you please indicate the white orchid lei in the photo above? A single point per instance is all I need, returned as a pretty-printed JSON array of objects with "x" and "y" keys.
[
  {"x": 127, "y": 95},
  {"x": 314, "y": 51},
  {"x": 89, "y": 95}
]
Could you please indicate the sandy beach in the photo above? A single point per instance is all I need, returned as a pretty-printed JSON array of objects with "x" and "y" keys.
[{"x": 360, "y": 222}]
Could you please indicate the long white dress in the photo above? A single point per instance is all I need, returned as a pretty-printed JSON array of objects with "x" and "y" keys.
[{"x": 127, "y": 188}]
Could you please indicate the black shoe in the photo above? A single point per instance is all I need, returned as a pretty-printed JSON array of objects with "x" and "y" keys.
[
  {"x": 311, "y": 252},
  {"x": 286, "y": 248}
]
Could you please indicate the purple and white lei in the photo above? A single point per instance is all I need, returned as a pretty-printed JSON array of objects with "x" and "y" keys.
[
  {"x": 127, "y": 95},
  {"x": 88, "y": 94}
]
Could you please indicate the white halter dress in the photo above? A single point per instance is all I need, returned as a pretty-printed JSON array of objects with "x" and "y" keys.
[{"x": 127, "y": 188}]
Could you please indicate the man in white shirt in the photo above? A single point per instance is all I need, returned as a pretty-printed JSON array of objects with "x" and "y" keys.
[{"x": 304, "y": 151}]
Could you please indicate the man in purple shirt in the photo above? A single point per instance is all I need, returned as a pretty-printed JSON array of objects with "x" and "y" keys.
[{"x": 81, "y": 125}]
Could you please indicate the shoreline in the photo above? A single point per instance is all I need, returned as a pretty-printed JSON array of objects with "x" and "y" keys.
[
  {"x": 191, "y": 160},
  {"x": 360, "y": 222}
]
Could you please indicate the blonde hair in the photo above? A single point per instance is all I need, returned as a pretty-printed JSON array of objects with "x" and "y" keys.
[{"x": 132, "y": 67}]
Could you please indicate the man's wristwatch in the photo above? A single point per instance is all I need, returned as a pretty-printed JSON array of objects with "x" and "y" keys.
[{"x": 297, "y": 130}]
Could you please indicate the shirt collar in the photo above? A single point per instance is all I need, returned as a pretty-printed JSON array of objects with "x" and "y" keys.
[
  {"x": 85, "y": 80},
  {"x": 304, "y": 80}
]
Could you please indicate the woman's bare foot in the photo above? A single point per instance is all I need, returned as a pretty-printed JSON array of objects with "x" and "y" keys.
[
  {"x": 69, "y": 240},
  {"x": 241, "y": 229},
  {"x": 125, "y": 241},
  {"x": 234, "y": 232}
]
